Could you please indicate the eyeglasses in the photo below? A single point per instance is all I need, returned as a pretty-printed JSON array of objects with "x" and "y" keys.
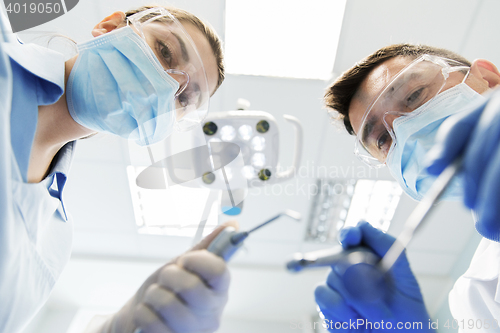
[
  {"x": 411, "y": 89},
  {"x": 177, "y": 53}
]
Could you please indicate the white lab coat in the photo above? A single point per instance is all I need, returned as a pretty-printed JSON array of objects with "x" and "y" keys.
[{"x": 475, "y": 298}]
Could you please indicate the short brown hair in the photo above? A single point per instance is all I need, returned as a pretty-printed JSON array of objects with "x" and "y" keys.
[
  {"x": 209, "y": 33},
  {"x": 339, "y": 94}
]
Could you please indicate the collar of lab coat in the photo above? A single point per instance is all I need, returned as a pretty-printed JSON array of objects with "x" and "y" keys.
[
  {"x": 47, "y": 69},
  {"x": 48, "y": 66},
  {"x": 485, "y": 264},
  {"x": 42, "y": 62},
  {"x": 56, "y": 180}
]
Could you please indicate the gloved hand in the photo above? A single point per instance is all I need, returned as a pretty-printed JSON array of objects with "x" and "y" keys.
[
  {"x": 402, "y": 303},
  {"x": 476, "y": 136},
  {"x": 186, "y": 295}
]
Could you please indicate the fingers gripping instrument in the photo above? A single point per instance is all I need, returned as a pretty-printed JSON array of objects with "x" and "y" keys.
[
  {"x": 358, "y": 267},
  {"x": 228, "y": 241}
]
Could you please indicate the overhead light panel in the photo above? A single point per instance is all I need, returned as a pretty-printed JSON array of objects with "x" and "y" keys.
[
  {"x": 283, "y": 38},
  {"x": 175, "y": 211},
  {"x": 340, "y": 203}
]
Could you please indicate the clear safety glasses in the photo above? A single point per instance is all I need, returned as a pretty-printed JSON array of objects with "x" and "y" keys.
[
  {"x": 177, "y": 53},
  {"x": 413, "y": 87}
]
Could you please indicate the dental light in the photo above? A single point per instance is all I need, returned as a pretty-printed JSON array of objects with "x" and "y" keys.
[
  {"x": 231, "y": 152},
  {"x": 256, "y": 133}
]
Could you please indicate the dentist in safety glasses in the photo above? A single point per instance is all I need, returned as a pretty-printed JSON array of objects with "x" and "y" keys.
[
  {"x": 414, "y": 109},
  {"x": 146, "y": 73}
]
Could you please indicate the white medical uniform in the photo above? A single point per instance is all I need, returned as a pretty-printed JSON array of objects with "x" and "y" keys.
[
  {"x": 35, "y": 232},
  {"x": 475, "y": 297}
]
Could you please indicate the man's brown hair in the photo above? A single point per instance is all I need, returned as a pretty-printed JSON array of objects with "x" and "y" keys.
[{"x": 339, "y": 94}]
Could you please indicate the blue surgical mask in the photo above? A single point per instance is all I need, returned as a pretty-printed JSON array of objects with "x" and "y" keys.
[
  {"x": 415, "y": 136},
  {"x": 117, "y": 85}
]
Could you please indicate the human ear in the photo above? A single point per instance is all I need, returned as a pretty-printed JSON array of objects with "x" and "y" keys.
[
  {"x": 110, "y": 23},
  {"x": 486, "y": 71}
]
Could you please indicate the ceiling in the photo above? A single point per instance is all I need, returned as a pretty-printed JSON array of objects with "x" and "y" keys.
[{"x": 98, "y": 197}]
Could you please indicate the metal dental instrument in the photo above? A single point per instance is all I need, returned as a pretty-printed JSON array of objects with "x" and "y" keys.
[
  {"x": 331, "y": 257},
  {"x": 228, "y": 241},
  {"x": 360, "y": 254}
]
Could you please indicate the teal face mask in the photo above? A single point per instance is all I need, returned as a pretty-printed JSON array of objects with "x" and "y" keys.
[
  {"x": 415, "y": 135},
  {"x": 117, "y": 85}
]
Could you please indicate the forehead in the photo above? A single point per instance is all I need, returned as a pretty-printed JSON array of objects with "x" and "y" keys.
[
  {"x": 206, "y": 54},
  {"x": 371, "y": 86}
]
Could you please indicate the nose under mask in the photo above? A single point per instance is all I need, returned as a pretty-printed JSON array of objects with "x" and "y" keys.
[{"x": 117, "y": 85}]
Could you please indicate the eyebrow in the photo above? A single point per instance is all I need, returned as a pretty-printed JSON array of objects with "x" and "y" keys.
[
  {"x": 184, "y": 51},
  {"x": 411, "y": 77}
]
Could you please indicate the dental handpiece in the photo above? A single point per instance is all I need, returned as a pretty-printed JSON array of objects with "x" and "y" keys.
[
  {"x": 228, "y": 241},
  {"x": 358, "y": 268},
  {"x": 330, "y": 257}
]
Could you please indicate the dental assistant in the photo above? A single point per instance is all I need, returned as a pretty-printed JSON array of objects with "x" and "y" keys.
[
  {"x": 414, "y": 109},
  {"x": 144, "y": 73}
]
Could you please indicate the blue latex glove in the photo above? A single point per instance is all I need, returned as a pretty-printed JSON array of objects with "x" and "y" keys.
[
  {"x": 402, "y": 303},
  {"x": 475, "y": 135}
]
